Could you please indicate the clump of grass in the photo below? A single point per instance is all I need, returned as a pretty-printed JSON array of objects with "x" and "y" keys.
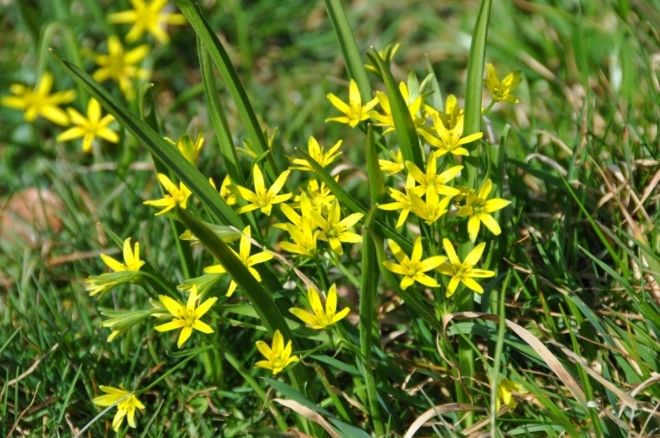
[{"x": 535, "y": 318}]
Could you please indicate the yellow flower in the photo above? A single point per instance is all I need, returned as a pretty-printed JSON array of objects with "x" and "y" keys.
[
  {"x": 299, "y": 219},
  {"x": 334, "y": 230},
  {"x": 505, "y": 391},
  {"x": 304, "y": 239},
  {"x": 432, "y": 179},
  {"x": 317, "y": 153},
  {"x": 225, "y": 193},
  {"x": 450, "y": 140},
  {"x": 121, "y": 66},
  {"x": 38, "y": 101},
  {"x": 354, "y": 111},
  {"x": 245, "y": 257},
  {"x": 188, "y": 149},
  {"x": 478, "y": 209},
  {"x": 261, "y": 198},
  {"x": 387, "y": 120},
  {"x": 501, "y": 91},
  {"x": 403, "y": 202},
  {"x": 126, "y": 403},
  {"x": 463, "y": 272},
  {"x": 319, "y": 194},
  {"x": 413, "y": 269},
  {"x": 432, "y": 207},
  {"x": 89, "y": 127},
  {"x": 186, "y": 317},
  {"x": 321, "y": 318},
  {"x": 451, "y": 115},
  {"x": 132, "y": 260},
  {"x": 177, "y": 195},
  {"x": 278, "y": 357},
  {"x": 147, "y": 17},
  {"x": 393, "y": 167}
]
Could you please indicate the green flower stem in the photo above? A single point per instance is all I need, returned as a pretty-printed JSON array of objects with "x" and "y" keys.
[
  {"x": 162, "y": 284},
  {"x": 339, "y": 265}
]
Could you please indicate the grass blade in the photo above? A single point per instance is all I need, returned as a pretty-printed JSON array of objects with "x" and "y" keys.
[
  {"x": 221, "y": 60},
  {"x": 349, "y": 48},
  {"x": 403, "y": 122},
  {"x": 163, "y": 151},
  {"x": 218, "y": 118},
  {"x": 376, "y": 184}
]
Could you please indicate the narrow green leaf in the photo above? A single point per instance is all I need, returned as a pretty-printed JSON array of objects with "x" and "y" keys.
[
  {"x": 473, "y": 91},
  {"x": 403, "y": 122},
  {"x": 368, "y": 287},
  {"x": 349, "y": 49},
  {"x": 163, "y": 151},
  {"x": 218, "y": 118},
  {"x": 352, "y": 204},
  {"x": 376, "y": 184},
  {"x": 293, "y": 394},
  {"x": 221, "y": 60},
  {"x": 436, "y": 97},
  {"x": 261, "y": 299}
]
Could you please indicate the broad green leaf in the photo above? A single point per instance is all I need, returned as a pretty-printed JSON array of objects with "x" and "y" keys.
[
  {"x": 218, "y": 118},
  {"x": 147, "y": 108},
  {"x": 352, "y": 204},
  {"x": 349, "y": 48},
  {"x": 221, "y": 60},
  {"x": 403, "y": 122},
  {"x": 376, "y": 184},
  {"x": 368, "y": 289},
  {"x": 159, "y": 147}
]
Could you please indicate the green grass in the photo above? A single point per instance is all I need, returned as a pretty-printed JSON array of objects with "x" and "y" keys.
[{"x": 573, "y": 269}]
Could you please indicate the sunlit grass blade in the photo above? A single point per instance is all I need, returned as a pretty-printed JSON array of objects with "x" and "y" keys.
[
  {"x": 218, "y": 118},
  {"x": 349, "y": 48},
  {"x": 221, "y": 60},
  {"x": 403, "y": 122},
  {"x": 352, "y": 204},
  {"x": 368, "y": 292},
  {"x": 163, "y": 151}
]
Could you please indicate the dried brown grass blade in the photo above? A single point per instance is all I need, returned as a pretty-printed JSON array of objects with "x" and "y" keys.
[
  {"x": 437, "y": 410},
  {"x": 550, "y": 359},
  {"x": 309, "y": 414}
]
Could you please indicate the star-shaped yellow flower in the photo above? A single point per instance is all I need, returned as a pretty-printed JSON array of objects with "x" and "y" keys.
[
  {"x": 450, "y": 140},
  {"x": 132, "y": 260},
  {"x": 477, "y": 208},
  {"x": 505, "y": 391},
  {"x": 224, "y": 191},
  {"x": 262, "y": 198},
  {"x": 432, "y": 207},
  {"x": 177, "y": 195},
  {"x": 431, "y": 177},
  {"x": 318, "y": 154},
  {"x": 38, "y": 101},
  {"x": 413, "y": 268},
  {"x": 278, "y": 357},
  {"x": 147, "y": 17},
  {"x": 126, "y": 403},
  {"x": 186, "y": 317},
  {"x": 321, "y": 318},
  {"x": 393, "y": 167},
  {"x": 90, "y": 127},
  {"x": 334, "y": 230},
  {"x": 451, "y": 115},
  {"x": 244, "y": 255},
  {"x": 121, "y": 66},
  {"x": 463, "y": 272},
  {"x": 501, "y": 91},
  {"x": 403, "y": 202},
  {"x": 354, "y": 111}
]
